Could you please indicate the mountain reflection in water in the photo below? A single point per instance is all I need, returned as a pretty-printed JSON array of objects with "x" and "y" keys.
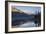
[{"x": 25, "y": 20}]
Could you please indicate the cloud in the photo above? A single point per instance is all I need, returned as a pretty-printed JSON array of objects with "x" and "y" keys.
[{"x": 27, "y": 12}]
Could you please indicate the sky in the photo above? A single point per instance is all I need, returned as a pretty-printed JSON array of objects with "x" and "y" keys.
[{"x": 29, "y": 9}]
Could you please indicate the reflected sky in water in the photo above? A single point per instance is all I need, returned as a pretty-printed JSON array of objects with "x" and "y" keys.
[{"x": 27, "y": 24}]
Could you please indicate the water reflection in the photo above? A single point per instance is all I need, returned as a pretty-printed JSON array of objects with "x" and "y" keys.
[
  {"x": 27, "y": 24},
  {"x": 25, "y": 20}
]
